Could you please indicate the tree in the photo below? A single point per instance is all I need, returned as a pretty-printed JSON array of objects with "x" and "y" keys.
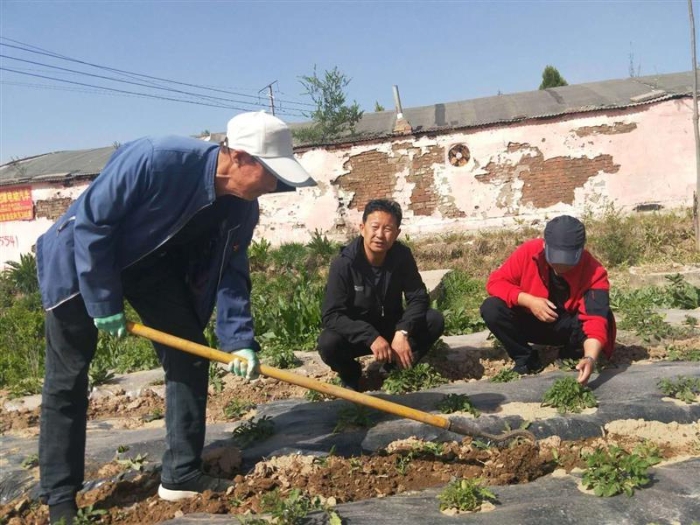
[
  {"x": 552, "y": 78},
  {"x": 332, "y": 117},
  {"x": 378, "y": 107}
]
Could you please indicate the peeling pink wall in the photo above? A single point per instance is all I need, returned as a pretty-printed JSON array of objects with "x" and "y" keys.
[{"x": 515, "y": 173}]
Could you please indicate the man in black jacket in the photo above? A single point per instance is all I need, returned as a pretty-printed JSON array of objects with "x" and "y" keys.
[{"x": 363, "y": 312}]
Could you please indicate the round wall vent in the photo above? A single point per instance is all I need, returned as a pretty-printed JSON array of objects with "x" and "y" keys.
[{"x": 458, "y": 155}]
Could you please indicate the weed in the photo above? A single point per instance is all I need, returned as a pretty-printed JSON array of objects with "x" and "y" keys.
[
  {"x": 216, "y": 378},
  {"x": 276, "y": 354},
  {"x": 460, "y": 301},
  {"x": 25, "y": 387},
  {"x": 567, "y": 395},
  {"x": 154, "y": 415},
  {"x": 138, "y": 463},
  {"x": 99, "y": 373},
  {"x": 123, "y": 448},
  {"x": 353, "y": 416},
  {"x": 614, "y": 471},
  {"x": 505, "y": 375},
  {"x": 254, "y": 431},
  {"x": 412, "y": 379},
  {"x": 31, "y": 461},
  {"x": 465, "y": 495},
  {"x": 683, "y": 295},
  {"x": 259, "y": 254},
  {"x": 403, "y": 462},
  {"x": 684, "y": 388},
  {"x": 236, "y": 408},
  {"x": 457, "y": 403}
]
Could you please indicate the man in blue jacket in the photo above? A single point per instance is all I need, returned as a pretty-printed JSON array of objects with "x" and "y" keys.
[
  {"x": 363, "y": 311},
  {"x": 166, "y": 225}
]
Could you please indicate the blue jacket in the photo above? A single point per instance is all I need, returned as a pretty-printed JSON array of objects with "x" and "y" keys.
[{"x": 147, "y": 192}]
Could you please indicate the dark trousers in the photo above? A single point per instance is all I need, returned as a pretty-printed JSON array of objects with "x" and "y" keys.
[
  {"x": 160, "y": 297},
  {"x": 516, "y": 327},
  {"x": 338, "y": 353}
]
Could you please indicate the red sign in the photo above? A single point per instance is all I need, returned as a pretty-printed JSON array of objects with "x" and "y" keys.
[{"x": 16, "y": 204}]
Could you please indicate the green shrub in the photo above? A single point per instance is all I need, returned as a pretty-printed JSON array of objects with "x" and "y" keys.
[{"x": 567, "y": 395}]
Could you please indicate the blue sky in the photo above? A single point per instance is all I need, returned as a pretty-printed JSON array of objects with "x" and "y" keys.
[{"x": 435, "y": 51}]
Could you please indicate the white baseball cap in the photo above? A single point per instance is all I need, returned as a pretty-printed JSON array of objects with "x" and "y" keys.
[{"x": 269, "y": 140}]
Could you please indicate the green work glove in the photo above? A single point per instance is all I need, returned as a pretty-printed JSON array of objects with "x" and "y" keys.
[
  {"x": 112, "y": 324},
  {"x": 250, "y": 368}
]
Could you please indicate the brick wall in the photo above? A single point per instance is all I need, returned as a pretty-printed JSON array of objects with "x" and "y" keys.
[{"x": 52, "y": 208}]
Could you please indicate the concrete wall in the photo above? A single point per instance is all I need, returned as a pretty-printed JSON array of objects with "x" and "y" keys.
[{"x": 515, "y": 173}]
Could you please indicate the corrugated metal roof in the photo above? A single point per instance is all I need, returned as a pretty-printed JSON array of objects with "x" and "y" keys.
[
  {"x": 54, "y": 167},
  {"x": 592, "y": 96}
]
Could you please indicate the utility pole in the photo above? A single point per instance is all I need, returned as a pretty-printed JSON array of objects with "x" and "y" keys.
[
  {"x": 696, "y": 220},
  {"x": 270, "y": 95}
]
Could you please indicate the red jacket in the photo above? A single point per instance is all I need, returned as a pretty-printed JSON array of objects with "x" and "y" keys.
[{"x": 526, "y": 270}]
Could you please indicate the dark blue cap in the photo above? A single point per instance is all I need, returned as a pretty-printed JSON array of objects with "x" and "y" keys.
[{"x": 564, "y": 239}]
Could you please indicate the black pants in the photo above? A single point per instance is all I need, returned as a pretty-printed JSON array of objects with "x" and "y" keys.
[
  {"x": 160, "y": 297},
  {"x": 338, "y": 353},
  {"x": 516, "y": 327}
]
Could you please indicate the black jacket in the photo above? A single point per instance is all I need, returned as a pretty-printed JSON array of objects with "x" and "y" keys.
[{"x": 355, "y": 309}]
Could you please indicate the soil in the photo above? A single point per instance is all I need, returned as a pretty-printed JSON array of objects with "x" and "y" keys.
[{"x": 403, "y": 466}]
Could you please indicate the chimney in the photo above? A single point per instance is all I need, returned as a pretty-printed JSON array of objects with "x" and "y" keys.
[{"x": 401, "y": 126}]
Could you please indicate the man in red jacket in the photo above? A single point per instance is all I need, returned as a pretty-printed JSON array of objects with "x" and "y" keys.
[{"x": 552, "y": 292}]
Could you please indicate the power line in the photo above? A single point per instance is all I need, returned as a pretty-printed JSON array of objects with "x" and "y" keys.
[
  {"x": 173, "y": 90},
  {"x": 130, "y": 73},
  {"x": 125, "y": 91}
]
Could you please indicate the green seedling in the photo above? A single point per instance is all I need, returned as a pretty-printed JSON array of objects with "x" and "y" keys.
[
  {"x": 123, "y": 448},
  {"x": 506, "y": 375},
  {"x": 428, "y": 447},
  {"x": 567, "y": 395},
  {"x": 683, "y": 354},
  {"x": 568, "y": 364},
  {"x": 684, "y": 388},
  {"x": 614, "y": 471},
  {"x": 291, "y": 510},
  {"x": 315, "y": 397},
  {"x": 30, "y": 461},
  {"x": 413, "y": 379},
  {"x": 88, "y": 515},
  {"x": 237, "y": 407},
  {"x": 465, "y": 495},
  {"x": 403, "y": 462},
  {"x": 138, "y": 463},
  {"x": 353, "y": 416},
  {"x": 457, "y": 403},
  {"x": 254, "y": 431}
]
